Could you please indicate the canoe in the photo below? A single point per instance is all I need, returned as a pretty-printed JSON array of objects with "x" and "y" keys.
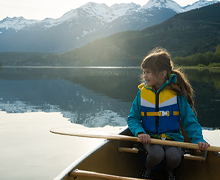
[{"x": 119, "y": 160}]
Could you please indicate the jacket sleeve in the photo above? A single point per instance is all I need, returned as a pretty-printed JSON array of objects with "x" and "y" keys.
[
  {"x": 189, "y": 121},
  {"x": 134, "y": 119}
]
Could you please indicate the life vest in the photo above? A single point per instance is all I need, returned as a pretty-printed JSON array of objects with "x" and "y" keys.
[{"x": 159, "y": 111}]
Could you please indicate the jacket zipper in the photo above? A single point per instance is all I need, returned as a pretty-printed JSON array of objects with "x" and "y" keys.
[{"x": 157, "y": 110}]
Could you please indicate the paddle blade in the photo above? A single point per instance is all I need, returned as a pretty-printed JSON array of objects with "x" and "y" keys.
[{"x": 92, "y": 134}]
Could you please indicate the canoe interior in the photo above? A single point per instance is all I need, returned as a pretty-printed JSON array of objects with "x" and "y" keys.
[
  {"x": 109, "y": 160},
  {"x": 210, "y": 169}
]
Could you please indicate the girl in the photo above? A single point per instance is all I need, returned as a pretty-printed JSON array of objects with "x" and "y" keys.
[{"x": 164, "y": 98}]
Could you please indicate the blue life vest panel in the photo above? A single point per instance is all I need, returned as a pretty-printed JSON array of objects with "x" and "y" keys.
[{"x": 160, "y": 111}]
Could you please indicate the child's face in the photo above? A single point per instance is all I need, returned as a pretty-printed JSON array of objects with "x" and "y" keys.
[{"x": 152, "y": 80}]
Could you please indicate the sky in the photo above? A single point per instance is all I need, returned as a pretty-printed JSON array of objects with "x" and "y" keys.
[{"x": 41, "y": 9}]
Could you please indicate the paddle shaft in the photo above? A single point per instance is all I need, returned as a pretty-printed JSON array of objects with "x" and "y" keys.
[
  {"x": 83, "y": 133},
  {"x": 161, "y": 142}
]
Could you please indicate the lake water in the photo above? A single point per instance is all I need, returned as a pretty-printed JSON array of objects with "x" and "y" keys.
[{"x": 34, "y": 100}]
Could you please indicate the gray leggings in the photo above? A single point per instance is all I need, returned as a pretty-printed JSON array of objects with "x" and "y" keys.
[{"x": 156, "y": 154}]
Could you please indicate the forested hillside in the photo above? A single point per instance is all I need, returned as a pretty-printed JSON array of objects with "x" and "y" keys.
[{"x": 185, "y": 34}]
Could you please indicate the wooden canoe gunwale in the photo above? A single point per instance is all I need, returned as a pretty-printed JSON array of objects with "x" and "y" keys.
[{"x": 81, "y": 173}]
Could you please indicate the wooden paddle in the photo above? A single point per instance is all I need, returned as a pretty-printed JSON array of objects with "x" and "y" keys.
[
  {"x": 103, "y": 135},
  {"x": 90, "y": 174}
]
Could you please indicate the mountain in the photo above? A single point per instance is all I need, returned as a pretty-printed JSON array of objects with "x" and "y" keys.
[
  {"x": 85, "y": 24},
  {"x": 168, "y": 4},
  {"x": 72, "y": 30},
  {"x": 16, "y": 23},
  {"x": 152, "y": 13},
  {"x": 13, "y": 25},
  {"x": 184, "y": 34},
  {"x": 199, "y": 4}
]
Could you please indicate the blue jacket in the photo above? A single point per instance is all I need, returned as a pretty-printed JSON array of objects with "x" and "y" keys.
[{"x": 188, "y": 118}]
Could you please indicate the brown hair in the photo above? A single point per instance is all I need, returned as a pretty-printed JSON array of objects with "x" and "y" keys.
[{"x": 158, "y": 60}]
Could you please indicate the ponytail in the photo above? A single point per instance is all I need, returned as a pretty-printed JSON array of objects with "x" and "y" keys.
[{"x": 183, "y": 87}]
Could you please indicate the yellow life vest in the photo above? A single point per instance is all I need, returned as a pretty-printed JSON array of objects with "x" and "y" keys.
[{"x": 159, "y": 111}]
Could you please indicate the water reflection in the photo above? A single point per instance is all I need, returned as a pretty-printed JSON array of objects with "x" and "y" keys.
[
  {"x": 92, "y": 97},
  {"x": 206, "y": 84},
  {"x": 95, "y": 97}
]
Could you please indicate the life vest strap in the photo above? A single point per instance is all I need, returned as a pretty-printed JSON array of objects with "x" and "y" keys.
[{"x": 160, "y": 113}]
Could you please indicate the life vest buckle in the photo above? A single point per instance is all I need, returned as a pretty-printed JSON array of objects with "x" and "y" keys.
[{"x": 164, "y": 113}]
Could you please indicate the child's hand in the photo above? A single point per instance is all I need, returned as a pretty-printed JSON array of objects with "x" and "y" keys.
[
  {"x": 145, "y": 138},
  {"x": 202, "y": 146}
]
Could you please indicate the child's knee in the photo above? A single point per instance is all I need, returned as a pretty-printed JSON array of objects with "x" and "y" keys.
[
  {"x": 173, "y": 156},
  {"x": 157, "y": 154}
]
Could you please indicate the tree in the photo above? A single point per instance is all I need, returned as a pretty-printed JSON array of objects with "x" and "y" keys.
[{"x": 217, "y": 50}]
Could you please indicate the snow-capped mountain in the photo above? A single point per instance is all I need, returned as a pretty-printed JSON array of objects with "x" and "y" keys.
[
  {"x": 123, "y": 9},
  {"x": 16, "y": 23},
  {"x": 100, "y": 12},
  {"x": 103, "y": 12},
  {"x": 199, "y": 4},
  {"x": 168, "y": 4},
  {"x": 85, "y": 24}
]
